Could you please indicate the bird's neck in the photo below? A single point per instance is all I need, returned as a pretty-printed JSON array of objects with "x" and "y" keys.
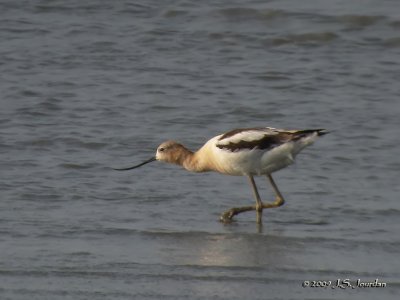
[
  {"x": 196, "y": 161},
  {"x": 192, "y": 161}
]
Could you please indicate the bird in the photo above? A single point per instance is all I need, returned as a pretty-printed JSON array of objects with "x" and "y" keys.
[{"x": 250, "y": 152}]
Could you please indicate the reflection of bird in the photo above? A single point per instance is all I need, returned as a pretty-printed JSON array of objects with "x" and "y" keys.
[{"x": 249, "y": 152}]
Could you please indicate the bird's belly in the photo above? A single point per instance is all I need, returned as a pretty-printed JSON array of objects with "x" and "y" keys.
[
  {"x": 273, "y": 166},
  {"x": 277, "y": 158},
  {"x": 254, "y": 162}
]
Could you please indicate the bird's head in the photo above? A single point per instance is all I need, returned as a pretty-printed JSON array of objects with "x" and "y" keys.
[{"x": 169, "y": 151}]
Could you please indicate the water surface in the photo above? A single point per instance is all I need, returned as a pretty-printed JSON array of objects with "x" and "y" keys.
[{"x": 87, "y": 86}]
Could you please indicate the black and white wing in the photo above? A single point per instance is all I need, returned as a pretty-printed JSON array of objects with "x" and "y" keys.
[{"x": 262, "y": 138}]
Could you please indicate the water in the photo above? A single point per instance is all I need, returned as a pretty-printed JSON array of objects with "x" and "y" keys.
[{"x": 91, "y": 85}]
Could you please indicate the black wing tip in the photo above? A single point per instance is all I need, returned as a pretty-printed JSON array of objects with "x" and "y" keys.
[
  {"x": 305, "y": 133},
  {"x": 319, "y": 131}
]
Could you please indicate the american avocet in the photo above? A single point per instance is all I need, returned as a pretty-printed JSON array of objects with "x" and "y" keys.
[{"x": 248, "y": 152}]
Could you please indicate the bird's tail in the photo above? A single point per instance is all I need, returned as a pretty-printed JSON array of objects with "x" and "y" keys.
[
  {"x": 322, "y": 131},
  {"x": 304, "y": 138}
]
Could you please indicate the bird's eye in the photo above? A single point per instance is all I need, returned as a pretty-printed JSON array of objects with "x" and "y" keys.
[{"x": 161, "y": 149}]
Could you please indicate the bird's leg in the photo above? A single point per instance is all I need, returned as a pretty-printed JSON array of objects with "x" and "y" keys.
[
  {"x": 259, "y": 204},
  {"x": 279, "y": 201},
  {"x": 229, "y": 214}
]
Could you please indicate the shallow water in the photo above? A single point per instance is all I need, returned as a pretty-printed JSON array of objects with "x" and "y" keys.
[{"x": 87, "y": 86}]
